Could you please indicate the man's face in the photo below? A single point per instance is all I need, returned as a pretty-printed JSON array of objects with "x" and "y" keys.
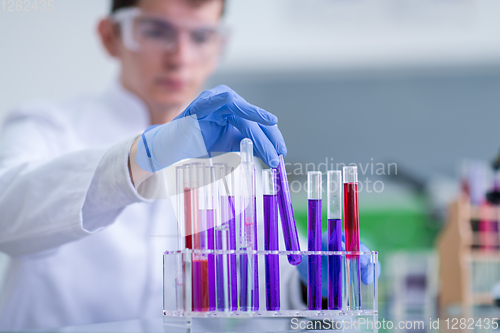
[{"x": 171, "y": 78}]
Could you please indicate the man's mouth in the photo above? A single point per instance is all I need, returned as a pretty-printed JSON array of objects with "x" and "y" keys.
[{"x": 171, "y": 83}]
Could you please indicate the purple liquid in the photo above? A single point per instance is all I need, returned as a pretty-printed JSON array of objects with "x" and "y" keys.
[
  {"x": 272, "y": 260},
  {"x": 286, "y": 212},
  {"x": 211, "y": 261},
  {"x": 228, "y": 214},
  {"x": 314, "y": 301},
  {"x": 335, "y": 265},
  {"x": 243, "y": 282},
  {"x": 255, "y": 300},
  {"x": 219, "y": 234}
]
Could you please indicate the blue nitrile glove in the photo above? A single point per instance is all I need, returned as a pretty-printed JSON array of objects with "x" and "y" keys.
[
  {"x": 216, "y": 121},
  {"x": 365, "y": 268}
]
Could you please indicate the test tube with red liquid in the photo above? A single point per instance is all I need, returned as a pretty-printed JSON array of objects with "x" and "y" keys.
[
  {"x": 199, "y": 238},
  {"x": 351, "y": 228}
]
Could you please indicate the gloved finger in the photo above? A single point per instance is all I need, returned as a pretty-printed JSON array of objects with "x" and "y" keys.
[
  {"x": 228, "y": 140},
  {"x": 274, "y": 134},
  {"x": 263, "y": 147},
  {"x": 225, "y": 99}
]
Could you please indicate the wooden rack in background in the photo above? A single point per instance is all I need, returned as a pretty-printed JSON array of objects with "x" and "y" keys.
[{"x": 469, "y": 260}]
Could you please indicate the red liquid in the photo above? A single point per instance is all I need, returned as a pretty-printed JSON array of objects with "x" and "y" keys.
[
  {"x": 190, "y": 218},
  {"x": 200, "y": 285},
  {"x": 351, "y": 217},
  {"x": 351, "y": 227},
  {"x": 187, "y": 217}
]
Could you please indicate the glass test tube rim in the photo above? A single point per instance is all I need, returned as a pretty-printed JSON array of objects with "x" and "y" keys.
[
  {"x": 350, "y": 173},
  {"x": 336, "y": 176},
  {"x": 314, "y": 185},
  {"x": 269, "y": 179}
]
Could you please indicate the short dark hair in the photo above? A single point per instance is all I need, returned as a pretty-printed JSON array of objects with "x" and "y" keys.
[{"x": 118, "y": 4}]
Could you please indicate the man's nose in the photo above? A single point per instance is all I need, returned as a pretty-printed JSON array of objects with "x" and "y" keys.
[{"x": 181, "y": 54}]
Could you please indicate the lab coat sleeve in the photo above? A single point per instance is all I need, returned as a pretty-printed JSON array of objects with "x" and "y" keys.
[{"x": 51, "y": 195}]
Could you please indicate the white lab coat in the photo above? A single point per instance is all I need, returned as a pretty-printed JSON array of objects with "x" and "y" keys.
[{"x": 85, "y": 247}]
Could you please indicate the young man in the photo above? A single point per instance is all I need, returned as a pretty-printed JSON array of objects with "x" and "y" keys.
[{"x": 79, "y": 235}]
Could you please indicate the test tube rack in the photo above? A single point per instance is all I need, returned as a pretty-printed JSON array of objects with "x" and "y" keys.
[
  {"x": 178, "y": 294},
  {"x": 219, "y": 271}
]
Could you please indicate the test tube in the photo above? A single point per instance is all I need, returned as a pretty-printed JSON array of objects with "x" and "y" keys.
[
  {"x": 351, "y": 226},
  {"x": 211, "y": 215},
  {"x": 334, "y": 216},
  {"x": 286, "y": 212},
  {"x": 314, "y": 180},
  {"x": 271, "y": 239},
  {"x": 249, "y": 296},
  {"x": 188, "y": 239},
  {"x": 200, "y": 240},
  {"x": 188, "y": 223},
  {"x": 228, "y": 214},
  {"x": 221, "y": 239},
  {"x": 181, "y": 235}
]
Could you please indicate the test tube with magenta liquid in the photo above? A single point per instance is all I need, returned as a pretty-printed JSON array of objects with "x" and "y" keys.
[
  {"x": 198, "y": 237},
  {"x": 351, "y": 226}
]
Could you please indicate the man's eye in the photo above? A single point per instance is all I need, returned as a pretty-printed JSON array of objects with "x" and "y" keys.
[
  {"x": 202, "y": 37},
  {"x": 157, "y": 33}
]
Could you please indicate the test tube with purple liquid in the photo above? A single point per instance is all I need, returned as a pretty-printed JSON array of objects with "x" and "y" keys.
[
  {"x": 209, "y": 229},
  {"x": 271, "y": 239},
  {"x": 227, "y": 292},
  {"x": 334, "y": 216},
  {"x": 314, "y": 299},
  {"x": 286, "y": 213}
]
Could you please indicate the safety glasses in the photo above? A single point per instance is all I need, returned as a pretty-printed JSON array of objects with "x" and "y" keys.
[{"x": 147, "y": 32}]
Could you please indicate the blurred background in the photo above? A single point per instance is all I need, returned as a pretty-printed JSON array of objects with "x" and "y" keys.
[{"x": 414, "y": 83}]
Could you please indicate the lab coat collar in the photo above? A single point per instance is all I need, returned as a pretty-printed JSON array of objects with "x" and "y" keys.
[{"x": 129, "y": 106}]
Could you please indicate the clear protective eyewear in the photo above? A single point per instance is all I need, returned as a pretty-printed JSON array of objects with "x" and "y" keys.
[{"x": 143, "y": 31}]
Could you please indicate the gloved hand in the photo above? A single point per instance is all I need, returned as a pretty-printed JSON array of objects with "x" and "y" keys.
[
  {"x": 216, "y": 121},
  {"x": 365, "y": 268}
]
